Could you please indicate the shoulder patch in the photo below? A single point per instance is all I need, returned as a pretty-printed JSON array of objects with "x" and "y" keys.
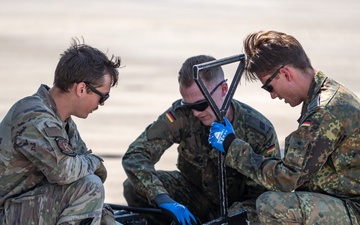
[
  {"x": 65, "y": 147},
  {"x": 306, "y": 123},
  {"x": 271, "y": 149},
  {"x": 170, "y": 116}
]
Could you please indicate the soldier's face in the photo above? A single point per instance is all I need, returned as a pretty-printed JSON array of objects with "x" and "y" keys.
[
  {"x": 193, "y": 97},
  {"x": 91, "y": 100},
  {"x": 285, "y": 87}
]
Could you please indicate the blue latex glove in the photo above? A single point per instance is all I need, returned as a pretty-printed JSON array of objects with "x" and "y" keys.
[
  {"x": 177, "y": 211},
  {"x": 221, "y": 135}
]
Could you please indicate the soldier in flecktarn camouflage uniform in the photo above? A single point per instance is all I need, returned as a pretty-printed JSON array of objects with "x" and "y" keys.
[
  {"x": 317, "y": 181},
  {"x": 192, "y": 192},
  {"x": 47, "y": 174}
]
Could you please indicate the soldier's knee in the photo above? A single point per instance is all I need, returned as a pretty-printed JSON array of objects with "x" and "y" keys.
[
  {"x": 128, "y": 189},
  {"x": 129, "y": 193},
  {"x": 266, "y": 201},
  {"x": 133, "y": 197},
  {"x": 127, "y": 186},
  {"x": 93, "y": 184},
  {"x": 94, "y": 180}
]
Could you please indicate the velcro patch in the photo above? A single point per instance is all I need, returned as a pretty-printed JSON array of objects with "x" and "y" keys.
[{"x": 53, "y": 131}]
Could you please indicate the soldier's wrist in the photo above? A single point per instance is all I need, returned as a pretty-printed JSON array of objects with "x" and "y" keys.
[{"x": 163, "y": 198}]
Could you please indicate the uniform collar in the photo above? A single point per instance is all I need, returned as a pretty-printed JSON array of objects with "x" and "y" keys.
[
  {"x": 312, "y": 99},
  {"x": 44, "y": 93}
]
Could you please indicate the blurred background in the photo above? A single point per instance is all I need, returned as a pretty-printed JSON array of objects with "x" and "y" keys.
[{"x": 154, "y": 38}]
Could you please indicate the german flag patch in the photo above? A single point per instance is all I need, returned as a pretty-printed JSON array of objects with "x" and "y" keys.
[
  {"x": 306, "y": 123},
  {"x": 170, "y": 116},
  {"x": 271, "y": 149}
]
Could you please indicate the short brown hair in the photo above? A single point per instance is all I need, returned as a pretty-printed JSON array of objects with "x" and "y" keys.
[
  {"x": 83, "y": 63},
  {"x": 266, "y": 51},
  {"x": 186, "y": 72}
]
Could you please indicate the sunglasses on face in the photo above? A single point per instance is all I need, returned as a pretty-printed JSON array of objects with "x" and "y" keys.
[
  {"x": 103, "y": 97},
  {"x": 266, "y": 85},
  {"x": 202, "y": 104}
]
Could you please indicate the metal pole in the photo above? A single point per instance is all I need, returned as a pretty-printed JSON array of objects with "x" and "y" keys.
[{"x": 220, "y": 113}]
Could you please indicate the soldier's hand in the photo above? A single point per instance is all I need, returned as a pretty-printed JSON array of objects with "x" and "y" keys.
[
  {"x": 221, "y": 135},
  {"x": 178, "y": 212},
  {"x": 101, "y": 172}
]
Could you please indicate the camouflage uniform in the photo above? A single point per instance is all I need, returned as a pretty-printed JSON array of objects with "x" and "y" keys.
[
  {"x": 321, "y": 163},
  {"x": 196, "y": 184},
  {"x": 46, "y": 172}
]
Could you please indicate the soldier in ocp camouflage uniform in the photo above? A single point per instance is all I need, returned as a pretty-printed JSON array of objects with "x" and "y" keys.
[
  {"x": 317, "y": 181},
  {"x": 47, "y": 174},
  {"x": 194, "y": 189}
]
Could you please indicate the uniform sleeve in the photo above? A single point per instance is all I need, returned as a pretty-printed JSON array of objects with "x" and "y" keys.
[
  {"x": 145, "y": 152},
  {"x": 259, "y": 132},
  {"x": 267, "y": 144},
  {"x": 41, "y": 138},
  {"x": 261, "y": 136},
  {"x": 306, "y": 152}
]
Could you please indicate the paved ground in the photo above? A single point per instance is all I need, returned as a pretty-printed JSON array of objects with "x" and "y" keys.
[{"x": 153, "y": 38}]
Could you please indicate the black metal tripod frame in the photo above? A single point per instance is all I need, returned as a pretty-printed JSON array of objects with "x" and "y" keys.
[{"x": 220, "y": 113}]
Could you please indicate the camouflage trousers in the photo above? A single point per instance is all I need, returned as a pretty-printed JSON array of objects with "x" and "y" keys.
[
  {"x": 75, "y": 203},
  {"x": 184, "y": 192},
  {"x": 303, "y": 208}
]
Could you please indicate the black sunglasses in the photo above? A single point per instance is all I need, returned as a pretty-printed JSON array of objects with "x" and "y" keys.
[
  {"x": 103, "y": 97},
  {"x": 202, "y": 104},
  {"x": 266, "y": 85}
]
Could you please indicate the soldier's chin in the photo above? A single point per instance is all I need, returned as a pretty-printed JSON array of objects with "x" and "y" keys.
[
  {"x": 206, "y": 122},
  {"x": 83, "y": 116}
]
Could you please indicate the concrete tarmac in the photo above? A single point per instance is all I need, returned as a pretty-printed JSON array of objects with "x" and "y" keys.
[{"x": 154, "y": 38}]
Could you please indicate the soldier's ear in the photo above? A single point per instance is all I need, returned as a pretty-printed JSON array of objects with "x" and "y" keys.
[
  {"x": 224, "y": 88},
  {"x": 80, "y": 88},
  {"x": 287, "y": 73}
]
